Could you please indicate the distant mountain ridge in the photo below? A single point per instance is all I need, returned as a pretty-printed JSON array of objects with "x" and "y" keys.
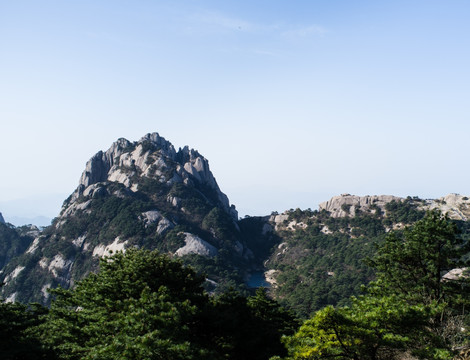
[
  {"x": 36, "y": 220},
  {"x": 147, "y": 194}
]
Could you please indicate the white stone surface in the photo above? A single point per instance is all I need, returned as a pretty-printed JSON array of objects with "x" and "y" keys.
[
  {"x": 455, "y": 274},
  {"x": 14, "y": 274},
  {"x": 11, "y": 298},
  {"x": 33, "y": 247},
  {"x": 151, "y": 217},
  {"x": 74, "y": 207},
  {"x": 195, "y": 245},
  {"x": 78, "y": 242},
  {"x": 164, "y": 225},
  {"x": 58, "y": 263},
  {"x": 335, "y": 205},
  {"x": 120, "y": 177},
  {"x": 44, "y": 292},
  {"x": 456, "y": 206},
  {"x": 44, "y": 263},
  {"x": 106, "y": 250},
  {"x": 270, "y": 277}
]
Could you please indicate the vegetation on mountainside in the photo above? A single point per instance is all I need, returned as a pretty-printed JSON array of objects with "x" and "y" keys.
[
  {"x": 19, "y": 339},
  {"x": 116, "y": 212},
  {"x": 409, "y": 308},
  {"x": 12, "y": 243},
  {"x": 143, "y": 305},
  {"x": 321, "y": 262}
]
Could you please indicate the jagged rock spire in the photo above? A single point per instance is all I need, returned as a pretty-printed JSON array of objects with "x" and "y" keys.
[{"x": 152, "y": 157}]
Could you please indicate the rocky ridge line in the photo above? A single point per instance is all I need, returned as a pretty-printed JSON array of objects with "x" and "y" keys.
[{"x": 455, "y": 206}]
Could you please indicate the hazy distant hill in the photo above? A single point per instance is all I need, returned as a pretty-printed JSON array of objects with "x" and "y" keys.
[{"x": 37, "y": 220}]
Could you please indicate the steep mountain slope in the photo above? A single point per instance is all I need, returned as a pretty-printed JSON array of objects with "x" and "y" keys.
[{"x": 143, "y": 194}]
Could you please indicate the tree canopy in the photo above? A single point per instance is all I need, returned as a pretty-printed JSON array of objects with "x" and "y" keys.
[
  {"x": 412, "y": 306},
  {"x": 144, "y": 305}
]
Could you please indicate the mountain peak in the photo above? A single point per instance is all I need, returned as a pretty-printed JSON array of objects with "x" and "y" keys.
[{"x": 154, "y": 158}]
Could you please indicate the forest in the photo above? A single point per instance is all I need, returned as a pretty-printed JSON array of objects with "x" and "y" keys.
[{"x": 145, "y": 305}]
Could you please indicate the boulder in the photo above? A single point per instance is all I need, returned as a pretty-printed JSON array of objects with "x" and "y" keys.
[{"x": 195, "y": 245}]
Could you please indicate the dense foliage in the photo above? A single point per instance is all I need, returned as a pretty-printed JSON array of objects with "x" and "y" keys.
[
  {"x": 18, "y": 339},
  {"x": 143, "y": 305},
  {"x": 322, "y": 262},
  {"x": 412, "y": 307}
]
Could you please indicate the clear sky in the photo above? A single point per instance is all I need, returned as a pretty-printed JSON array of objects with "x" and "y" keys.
[{"x": 292, "y": 102}]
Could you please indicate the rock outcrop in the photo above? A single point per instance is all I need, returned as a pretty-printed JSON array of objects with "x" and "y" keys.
[
  {"x": 456, "y": 206},
  {"x": 152, "y": 156},
  {"x": 195, "y": 245},
  {"x": 2, "y": 220},
  {"x": 346, "y": 205}
]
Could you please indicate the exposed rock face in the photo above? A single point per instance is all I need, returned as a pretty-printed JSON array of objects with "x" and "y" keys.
[
  {"x": 346, "y": 205},
  {"x": 58, "y": 264},
  {"x": 455, "y": 274},
  {"x": 152, "y": 156},
  {"x": 195, "y": 245},
  {"x": 279, "y": 219},
  {"x": 456, "y": 206},
  {"x": 107, "y": 250},
  {"x": 13, "y": 274},
  {"x": 34, "y": 246},
  {"x": 155, "y": 217},
  {"x": 2, "y": 220},
  {"x": 270, "y": 277}
]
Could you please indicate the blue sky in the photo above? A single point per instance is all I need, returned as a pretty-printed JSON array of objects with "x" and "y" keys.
[{"x": 291, "y": 102}]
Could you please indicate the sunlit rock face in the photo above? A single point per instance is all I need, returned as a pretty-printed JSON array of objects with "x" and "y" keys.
[
  {"x": 346, "y": 205},
  {"x": 152, "y": 157},
  {"x": 456, "y": 206},
  {"x": 195, "y": 245}
]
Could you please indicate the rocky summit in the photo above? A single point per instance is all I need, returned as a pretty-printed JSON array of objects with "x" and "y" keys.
[{"x": 151, "y": 157}]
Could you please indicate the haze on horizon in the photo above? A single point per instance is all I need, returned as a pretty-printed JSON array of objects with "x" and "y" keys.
[{"x": 291, "y": 103}]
